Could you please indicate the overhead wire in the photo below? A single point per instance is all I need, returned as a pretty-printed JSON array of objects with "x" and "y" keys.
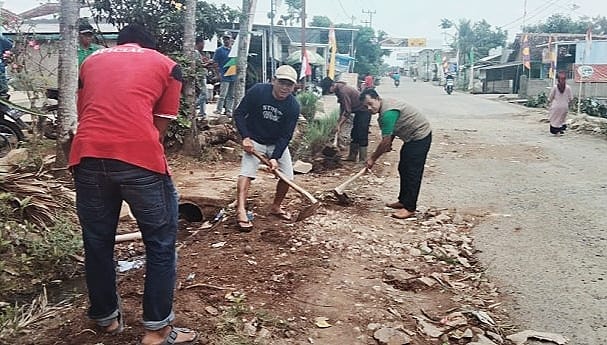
[{"x": 538, "y": 10}]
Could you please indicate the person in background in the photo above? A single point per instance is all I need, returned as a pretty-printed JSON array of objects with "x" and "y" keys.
[
  {"x": 86, "y": 46},
  {"x": 117, "y": 155},
  {"x": 349, "y": 103},
  {"x": 266, "y": 119},
  {"x": 204, "y": 64},
  {"x": 368, "y": 82},
  {"x": 226, "y": 90},
  {"x": 558, "y": 104},
  {"x": 399, "y": 119},
  {"x": 5, "y": 46}
]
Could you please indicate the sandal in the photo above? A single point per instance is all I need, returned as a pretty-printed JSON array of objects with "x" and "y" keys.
[
  {"x": 119, "y": 318},
  {"x": 171, "y": 338},
  {"x": 282, "y": 214},
  {"x": 395, "y": 205}
]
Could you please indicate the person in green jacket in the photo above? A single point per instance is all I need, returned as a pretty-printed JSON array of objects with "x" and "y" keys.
[
  {"x": 399, "y": 119},
  {"x": 86, "y": 46}
]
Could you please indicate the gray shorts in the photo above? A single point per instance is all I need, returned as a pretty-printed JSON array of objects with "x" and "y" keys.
[{"x": 250, "y": 163}]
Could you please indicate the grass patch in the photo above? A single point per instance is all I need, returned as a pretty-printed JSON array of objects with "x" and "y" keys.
[{"x": 316, "y": 134}]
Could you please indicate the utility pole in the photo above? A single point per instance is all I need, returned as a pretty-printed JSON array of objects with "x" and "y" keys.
[
  {"x": 272, "y": 13},
  {"x": 303, "y": 39},
  {"x": 370, "y": 13}
]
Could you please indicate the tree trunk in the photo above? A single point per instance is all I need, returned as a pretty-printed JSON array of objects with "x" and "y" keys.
[
  {"x": 191, "y": 146},
  {"x": 219, "y": 134},
  {"x": 68, "y": 80},
  {"x": 244, "y": 36}
]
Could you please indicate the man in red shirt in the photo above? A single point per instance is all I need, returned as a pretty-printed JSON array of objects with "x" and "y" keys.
[{"x": 127, "y": 96}]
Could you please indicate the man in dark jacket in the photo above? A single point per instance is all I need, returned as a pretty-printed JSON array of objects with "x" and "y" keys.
[{"x": 266, "y": 119}]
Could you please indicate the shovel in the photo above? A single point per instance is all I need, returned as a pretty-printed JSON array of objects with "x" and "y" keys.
[
  {"x": 339, "y": 191},
  {"x": 306, "y": 212}
]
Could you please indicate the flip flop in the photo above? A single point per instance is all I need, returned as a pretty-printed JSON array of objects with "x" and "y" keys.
[
  {"x": 282, "y": 214},
  {"x": 244, "y": 225},
  {"x": 397, "y": 215}
]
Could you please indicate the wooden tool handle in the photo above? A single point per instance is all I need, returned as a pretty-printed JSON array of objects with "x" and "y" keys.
[
  {"x": 340, "y": 189},
  {"x": 281, "y": 176}
]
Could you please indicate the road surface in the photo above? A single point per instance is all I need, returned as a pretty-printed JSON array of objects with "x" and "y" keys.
[{"x": 544, "y": 237}]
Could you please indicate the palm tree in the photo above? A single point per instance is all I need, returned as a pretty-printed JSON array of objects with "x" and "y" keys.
[{"x": 191, "y": 144}]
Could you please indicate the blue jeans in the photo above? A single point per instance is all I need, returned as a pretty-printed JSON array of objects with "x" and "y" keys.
[
  {"x": 101, "y": 186},
  {"x": 202, "y": 102},
  {"x": 226, "y": 97}
]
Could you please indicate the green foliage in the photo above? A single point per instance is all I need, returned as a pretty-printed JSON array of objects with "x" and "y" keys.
[
  {"x": 321, "y": 21},
  {"x": 317, "y": 134},
  {"x": 560, "y": 23},
  {"x": 309, "y": 104},
  {"x": 165, "y": 18},
  {"x": 368, "y": 52},
  {"x": 479, "y": 36},
  {"x": 540, "y": 101},
  {"x": 590, "y": 106},
  {"x": 178, "y": 129}
]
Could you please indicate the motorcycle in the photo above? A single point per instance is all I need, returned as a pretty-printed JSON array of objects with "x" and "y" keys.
[
  {"x": 449, "y": 86},
  {"x": 11, "y": 128},
  {"x": 396, "y": 82}
]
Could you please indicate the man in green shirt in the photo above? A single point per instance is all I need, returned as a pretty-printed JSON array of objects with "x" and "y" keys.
[
  {"x": 86, "y": 46},
  {"x": 399, "y": 119}
]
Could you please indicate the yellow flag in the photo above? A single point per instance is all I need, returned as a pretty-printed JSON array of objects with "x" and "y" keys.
[{"x": 333, "y": 47}]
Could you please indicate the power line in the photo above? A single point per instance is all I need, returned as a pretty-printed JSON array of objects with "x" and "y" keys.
[
  {"x": 538, "y": 10},
  {"x": 370, "y": 13}
]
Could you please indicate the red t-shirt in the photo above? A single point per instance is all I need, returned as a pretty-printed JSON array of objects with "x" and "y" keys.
[{"x": 121, "y": 90}]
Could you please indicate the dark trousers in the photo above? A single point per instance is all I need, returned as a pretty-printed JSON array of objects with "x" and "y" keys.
[
  {"x": 101, "y": 186},
  {"x": 360, "y": 128},
  {"x": 411, "y": 169}
]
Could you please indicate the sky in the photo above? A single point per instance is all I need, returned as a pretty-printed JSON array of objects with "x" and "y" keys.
[{"x": 411, "y": 18}]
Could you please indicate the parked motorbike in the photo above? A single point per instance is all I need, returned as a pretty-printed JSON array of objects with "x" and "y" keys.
[
  {"x": 11, "y": 127},
  {"x": 449, "y": 86}
]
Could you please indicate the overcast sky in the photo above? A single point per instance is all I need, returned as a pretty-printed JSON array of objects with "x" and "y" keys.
[{"x": 402, "y": 18}]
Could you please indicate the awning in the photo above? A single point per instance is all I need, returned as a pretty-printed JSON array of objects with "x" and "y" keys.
[
  {"x": 504, "y": 65},
  {"x": 315, "y": 59}
]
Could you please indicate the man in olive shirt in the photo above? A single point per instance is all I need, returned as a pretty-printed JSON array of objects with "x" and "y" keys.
[{"x": 399, "y": 119}]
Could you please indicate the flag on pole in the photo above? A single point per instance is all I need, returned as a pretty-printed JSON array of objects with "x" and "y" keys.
[
  {"x": 588, "y": 43},
  {"x": 526, "y": 53},
  {"x": 333, "y": 47},
  {"x": 551, "y": 59},
  {"x": 306, "y": 69},
  {"x": 232, "y": 59}
]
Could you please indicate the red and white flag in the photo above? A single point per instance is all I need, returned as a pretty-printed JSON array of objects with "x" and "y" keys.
[
  {"x": 306, "y": 69},
  {"x": 588, "y": 43}
]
